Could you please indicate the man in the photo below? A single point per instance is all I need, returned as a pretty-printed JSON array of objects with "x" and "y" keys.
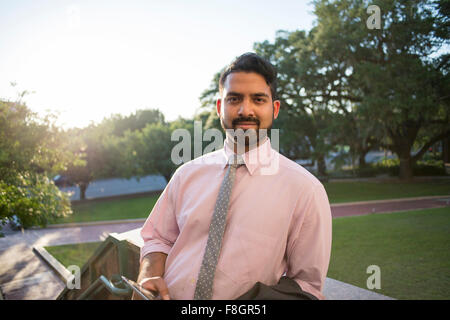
[{"x": 242, "y": 216}]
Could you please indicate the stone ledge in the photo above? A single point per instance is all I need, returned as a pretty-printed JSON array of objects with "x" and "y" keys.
[
  {"x": 61, "y": 271},
  {"x": 92, "y": 223},
  {"x": 338, "y": 290}
]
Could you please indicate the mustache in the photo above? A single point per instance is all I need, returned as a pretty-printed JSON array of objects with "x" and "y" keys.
[{"x": 245, "y": 119}]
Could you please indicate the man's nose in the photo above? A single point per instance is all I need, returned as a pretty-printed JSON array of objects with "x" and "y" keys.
[{"x": 246, "y": 109}]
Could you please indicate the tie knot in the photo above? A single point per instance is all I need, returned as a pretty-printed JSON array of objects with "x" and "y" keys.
[{"x": 236, "y": 161}]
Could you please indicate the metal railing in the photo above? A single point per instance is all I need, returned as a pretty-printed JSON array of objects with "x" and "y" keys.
[
  {"x": 116, "y": 286},
  {"x": 100, "y": 276}
]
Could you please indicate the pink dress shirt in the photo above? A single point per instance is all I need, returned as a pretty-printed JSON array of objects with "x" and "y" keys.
[{"x": 279, "y": 222}]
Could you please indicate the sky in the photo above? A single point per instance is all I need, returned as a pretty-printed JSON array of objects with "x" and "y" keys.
[{"x": 86, "y": 60}]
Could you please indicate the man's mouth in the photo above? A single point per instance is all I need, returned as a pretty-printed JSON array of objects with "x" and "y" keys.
[{"x": 245, "y": 123}]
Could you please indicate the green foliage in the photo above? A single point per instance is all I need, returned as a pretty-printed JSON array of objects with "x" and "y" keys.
[
  {"x": 429, "y": 168},
  {"x": 421, "y": 168},
  {"x": 30, "y": 153},
  {"x": 344, "y": 84},
  {"x": 118, "y": 124},
  {"x": 120, "y": 146},
  {"x": 305, "y": 122},
  {"x": 389, "y": 163},
  {"x": 28, "y": 142},
  {"x": 389, "y": 75},
  {"x": 209, "y": 96},
  {"x": 391, "y": 167},
  {"x": 34, "y": 199},
  {"x": 153, "y": 153}
]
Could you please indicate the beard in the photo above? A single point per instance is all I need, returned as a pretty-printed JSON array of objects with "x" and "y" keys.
[{"x": 247, "y": 138}]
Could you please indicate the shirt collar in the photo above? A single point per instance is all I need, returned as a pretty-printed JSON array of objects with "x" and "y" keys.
[{"x": 254, "y": 158}]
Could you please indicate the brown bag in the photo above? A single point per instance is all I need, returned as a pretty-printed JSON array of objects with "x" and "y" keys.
[{"x": 286, "y": 289}]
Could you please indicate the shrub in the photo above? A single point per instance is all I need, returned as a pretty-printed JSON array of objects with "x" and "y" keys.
[
  {"x": 32, "y": 199},
  {"x": 31, "y": 150},
  {"x": 391, "y": 167},
  {"x": 421, "y": 168},
  {"x": 429, "y": 168}
]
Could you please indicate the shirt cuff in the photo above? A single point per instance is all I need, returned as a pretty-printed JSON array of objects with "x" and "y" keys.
[
  {"x": 150, "y": 247},
  {"x": 310, "y": 289}
]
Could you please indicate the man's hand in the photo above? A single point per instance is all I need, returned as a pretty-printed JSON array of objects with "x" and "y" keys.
[
  {"x": 156, "y": 285},
  {"x": 150, "y": 275}
]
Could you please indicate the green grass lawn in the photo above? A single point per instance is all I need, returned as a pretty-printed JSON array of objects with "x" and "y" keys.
[
  {"x": 111, "y": 210},
  {"x": 411, "y": 248},
  {"x": 73, "y": 254},
  {"x": 338, "y": 192}
]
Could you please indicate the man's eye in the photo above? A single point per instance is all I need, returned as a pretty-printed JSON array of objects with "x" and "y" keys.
[
  {"x": 260, "y": 100},
  {"x": 232, "y": 99}
]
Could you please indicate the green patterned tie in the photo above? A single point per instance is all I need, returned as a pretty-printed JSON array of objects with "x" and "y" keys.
[{"x": 203, "y": 290}]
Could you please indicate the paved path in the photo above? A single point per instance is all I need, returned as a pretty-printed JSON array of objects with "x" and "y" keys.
[
  {"x": 25, "y": 276},
  {"x": 367, "y": 207}
]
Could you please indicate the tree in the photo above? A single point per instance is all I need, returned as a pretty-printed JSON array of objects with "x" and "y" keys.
[
  {"x": 208, "y": 100},
  {"x": 305, "y": 130},
  {"x": 88, "y": 144},
  {"x": 345, "y": 84},
  {"x": 397, "y": 76},
  {"x": 117, "y": 124},
  {"x": 31, "y": 152},
  {"x": 155, "y": 152},
  {"x": 108, "y": 149}
]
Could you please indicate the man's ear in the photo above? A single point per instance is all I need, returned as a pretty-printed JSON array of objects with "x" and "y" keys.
[
  {"x": 218, "y": 106},
  {"x": 276, "y": 108}
]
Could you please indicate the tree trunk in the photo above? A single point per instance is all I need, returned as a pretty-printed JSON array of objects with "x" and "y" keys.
[
  {"x": 83, "y": 187},
  {"x": 321, "y": 166},
  {"x": 406, "y": 172},
  {"x": 446, "y": 150},
  {"x": 362, "y": 160},
  {"x": 403, "y": 151}
]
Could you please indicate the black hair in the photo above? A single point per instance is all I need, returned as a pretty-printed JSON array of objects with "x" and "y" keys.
[{"x": 251, "y": 62}]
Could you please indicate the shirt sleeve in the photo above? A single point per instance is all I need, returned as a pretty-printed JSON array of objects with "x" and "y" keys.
[
  {"x": 309, "y": 242},
  {"x": 160, "y": 230}
]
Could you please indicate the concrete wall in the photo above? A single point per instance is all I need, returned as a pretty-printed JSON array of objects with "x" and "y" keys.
[{"x": 117, "y": 186}]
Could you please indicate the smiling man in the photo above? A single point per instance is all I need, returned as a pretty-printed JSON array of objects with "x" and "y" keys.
[
  {"x": 247, "y": 103},
  {"x": 226, "y": 228}
]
